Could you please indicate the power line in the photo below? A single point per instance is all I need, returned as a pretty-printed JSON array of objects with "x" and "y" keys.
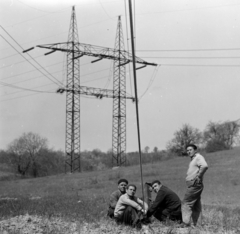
[
  {"x": 105, "y": 10},
  {"x": 42, "y": 10},
  {"x": 21, "y": 96},
  {"x": 100, "y": 78},
  {"x": 9, "y": 56},
  {"x": 186, "y": 50},
  {"x": 165, "y": 57},
  {"x": 150, "y": 82},
  {"x": 198, "y": 65},
  {"x": 30, "y": 57},
  {"x": 52, "y": 73},
  {"x": 17, "y": 87},
  {"x": 25, "y": 61},
  {"x": 37, "y": 94},
  {"x": 190, "y": 9}
]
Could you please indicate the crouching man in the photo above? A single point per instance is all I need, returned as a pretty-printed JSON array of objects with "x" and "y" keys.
[
  {"x": 167, "y": 204},
  {"x": 114, "y": 197},
  {"x": 129, "y": 209}
]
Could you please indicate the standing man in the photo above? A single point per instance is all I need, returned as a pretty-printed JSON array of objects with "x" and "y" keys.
[
  {"x": 114, "y": 197},
  {"x": 191, "y": 205},
  {"x": 167, "y": 204},
  {"x": 129, "y": 208}
]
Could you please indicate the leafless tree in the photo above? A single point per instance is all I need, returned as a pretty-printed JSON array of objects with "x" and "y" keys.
[
  {"x": 26, "y": 149},
  {"x": 184, "y": 136}
]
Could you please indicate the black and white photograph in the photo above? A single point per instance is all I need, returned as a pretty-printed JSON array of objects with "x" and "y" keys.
[{"x": 119, "y": 116}]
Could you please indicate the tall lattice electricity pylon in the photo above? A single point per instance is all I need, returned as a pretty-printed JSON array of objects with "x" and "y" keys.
[
  {"x": 119, "y": 103},
  {"x": 72, "y": 146},
  {"x": 73, "y": 90}
]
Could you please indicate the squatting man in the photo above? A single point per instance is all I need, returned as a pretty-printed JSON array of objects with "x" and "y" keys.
[
  {"x": 130, "y": 209},
  {"x": 114, "y": 197}
]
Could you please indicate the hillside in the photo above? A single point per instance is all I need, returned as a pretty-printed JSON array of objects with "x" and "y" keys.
[
  {"x": 222, "y": 180},
  {"x": 84, "y": 196}
]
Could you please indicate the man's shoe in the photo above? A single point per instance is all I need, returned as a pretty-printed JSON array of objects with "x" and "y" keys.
[{"x": 183, "y": 225}]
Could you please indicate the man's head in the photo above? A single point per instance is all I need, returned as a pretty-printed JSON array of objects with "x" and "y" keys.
[
  {"x": 122, "y": 184},
  {"x": 191, "y": 150},
  {"x": 156, "y": 185},
  {"x": 131, "y": 190}
]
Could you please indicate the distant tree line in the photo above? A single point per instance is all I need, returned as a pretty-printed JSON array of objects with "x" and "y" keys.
[
  {"x": 216, "y": 136},
  {"x": 30, "y": 156}
]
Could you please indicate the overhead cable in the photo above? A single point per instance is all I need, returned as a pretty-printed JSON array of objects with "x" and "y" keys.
[
  {"x": 26, "y": 89},
  {"x": 186, "y": 50},
  {"x": 58, "y": 82}
]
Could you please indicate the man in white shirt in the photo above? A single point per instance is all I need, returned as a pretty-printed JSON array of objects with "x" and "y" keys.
[
  {"x": 129, "y": 207},
  {"x": 191, "y": 205}
]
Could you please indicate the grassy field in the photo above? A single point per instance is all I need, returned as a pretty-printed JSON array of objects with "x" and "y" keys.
[{"x": 82, "y": 198}]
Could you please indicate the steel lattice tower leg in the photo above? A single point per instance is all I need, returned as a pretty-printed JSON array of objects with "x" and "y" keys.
[
  {"x": 119, "y": 104},
  {"x": 73, "y": 100}
]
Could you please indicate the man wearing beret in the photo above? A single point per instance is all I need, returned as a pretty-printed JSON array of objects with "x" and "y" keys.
[
  {"x": 191, "y": 205},
  {"x": 114, "y": 197}
]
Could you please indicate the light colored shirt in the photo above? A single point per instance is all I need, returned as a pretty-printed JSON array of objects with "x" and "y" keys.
[
  {"x": 197, "y": 167},
  {"x": 125, "y": 201}
]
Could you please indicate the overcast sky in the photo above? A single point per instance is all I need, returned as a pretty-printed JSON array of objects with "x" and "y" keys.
[{"x": 195, "y": 42}]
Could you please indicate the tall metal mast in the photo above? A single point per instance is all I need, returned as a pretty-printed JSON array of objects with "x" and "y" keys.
[
  {"x": 119, "y": 103},
  {"x": 72, "y": 146}
]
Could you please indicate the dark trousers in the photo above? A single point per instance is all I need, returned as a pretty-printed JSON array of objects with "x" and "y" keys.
[
  {"x": 164, "y": 214},
  {"x": 110, "y": 212},
  {"x": 129, "y": 217},
  {"x": 192, "y": 207}
]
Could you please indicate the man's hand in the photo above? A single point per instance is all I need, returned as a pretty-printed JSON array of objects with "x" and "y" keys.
[
  {"x": 144, "y": 211},
  {"x": 198, "y": 180}
]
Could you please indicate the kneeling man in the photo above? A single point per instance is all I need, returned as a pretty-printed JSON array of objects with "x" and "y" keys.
[
  {"x": 167, "y": 204},
  {"x": 128, "y": 208}
]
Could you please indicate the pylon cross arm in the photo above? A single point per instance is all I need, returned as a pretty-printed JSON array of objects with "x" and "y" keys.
[
  {"x": 99, "y": 93},
  {"x": 95, "y": 51}
]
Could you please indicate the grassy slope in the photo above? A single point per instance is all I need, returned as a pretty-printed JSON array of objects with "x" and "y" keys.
[
  {"x": 84, "y": 196},
  {"x": 222, "y": 180}
]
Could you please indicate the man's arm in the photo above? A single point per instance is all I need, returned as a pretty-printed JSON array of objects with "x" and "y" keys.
[
  {"x": 145, "y": 206},
  {"x": 129, "y": 202},
  {"x": 202, "y": 164},
  {"x": 156, "y": 203},
  {"x": 114, "y": 199}
]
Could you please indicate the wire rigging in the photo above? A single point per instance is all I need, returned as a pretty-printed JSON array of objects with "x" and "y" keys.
[
  {"x": 58, "y": 82},
  {"x": 186, "y": 50},
  {"x": 150, "y": 82},
  {"x": 105, "y": 10},
  {"x": 17, "y": 87},
  {"x": 163, "y": 57},
  {"x": 66, "y": 8}
]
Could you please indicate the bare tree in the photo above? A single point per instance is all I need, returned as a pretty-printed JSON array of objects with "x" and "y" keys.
[
  {"x": 221, "y": 136},
  {"x": 26, "y": 150},
  {"x": 184, "y": 136}
]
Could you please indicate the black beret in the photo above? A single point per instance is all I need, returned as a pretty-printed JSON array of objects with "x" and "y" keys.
[
  {"x": 192, "y": 145},
  {"x": 122, "y": 180}
]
